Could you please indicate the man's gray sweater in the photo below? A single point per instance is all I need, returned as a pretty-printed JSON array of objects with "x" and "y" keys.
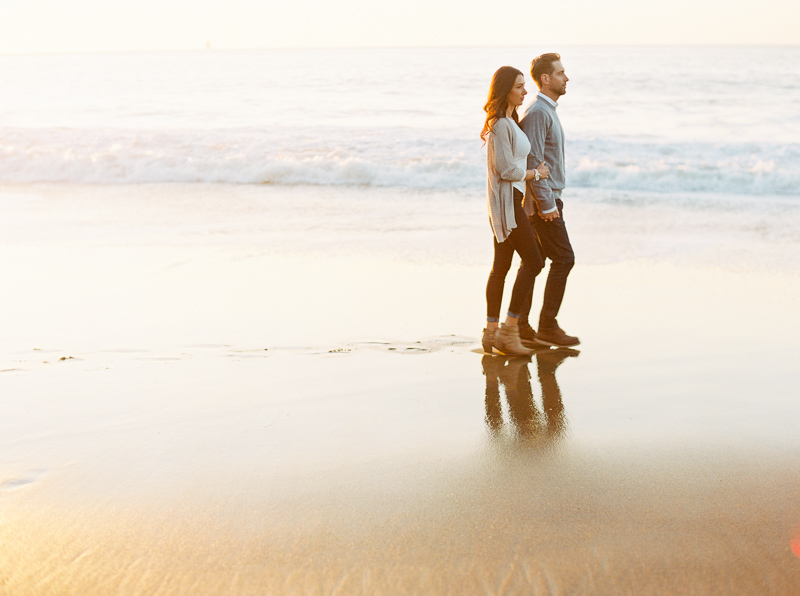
[{"x": 543, "y": 128}]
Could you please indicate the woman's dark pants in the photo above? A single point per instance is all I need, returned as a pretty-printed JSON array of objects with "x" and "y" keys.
[{"x": 523, "y": 241}]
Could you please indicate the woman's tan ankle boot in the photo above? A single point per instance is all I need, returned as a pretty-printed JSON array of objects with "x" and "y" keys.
[
  {"x": 487, "y": 341},
  {"x": 507, "y": 341}
]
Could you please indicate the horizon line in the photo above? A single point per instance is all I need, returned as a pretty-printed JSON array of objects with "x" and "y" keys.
[{"x": 209, "y": 48}]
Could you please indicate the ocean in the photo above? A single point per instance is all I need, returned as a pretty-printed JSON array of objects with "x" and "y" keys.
[
  {"x": 705, "y": 140},
  {"x": 666, "y": 119}
]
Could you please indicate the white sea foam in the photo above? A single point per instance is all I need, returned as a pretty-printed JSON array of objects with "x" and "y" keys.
[{"x": 388, "y": 158}]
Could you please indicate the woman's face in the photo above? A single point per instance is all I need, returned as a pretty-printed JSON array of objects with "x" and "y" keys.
[{"x": 517, "y": 94}]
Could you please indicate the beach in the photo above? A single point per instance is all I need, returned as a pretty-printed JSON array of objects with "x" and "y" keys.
[
  {"x": 242, "y": 310},
  {"x": 208, "y": 391}
]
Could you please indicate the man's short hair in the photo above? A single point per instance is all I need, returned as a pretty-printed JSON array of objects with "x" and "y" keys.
[{"x": 543, "y": 65}]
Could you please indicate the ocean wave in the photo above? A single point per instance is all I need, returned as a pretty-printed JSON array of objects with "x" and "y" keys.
[{"x": 405, "y": 158}]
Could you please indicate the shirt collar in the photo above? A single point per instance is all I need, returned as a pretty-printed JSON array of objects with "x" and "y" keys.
[{"x": 547, "y": 99}]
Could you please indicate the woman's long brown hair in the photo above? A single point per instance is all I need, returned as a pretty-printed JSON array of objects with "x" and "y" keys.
[{"x": 496, "y": 105}]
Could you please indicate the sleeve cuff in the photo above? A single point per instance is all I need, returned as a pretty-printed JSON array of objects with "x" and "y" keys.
[{"x": 550, "y": 210}]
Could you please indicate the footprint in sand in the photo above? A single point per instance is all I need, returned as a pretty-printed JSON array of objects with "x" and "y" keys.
[{"x": 22, "y": 482}]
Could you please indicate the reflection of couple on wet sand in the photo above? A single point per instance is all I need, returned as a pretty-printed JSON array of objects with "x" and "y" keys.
[
  {"x": 525, "y": 177},
  {"x": 526, "y": 421}
]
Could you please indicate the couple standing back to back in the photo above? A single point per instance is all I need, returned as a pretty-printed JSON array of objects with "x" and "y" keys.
[{"x": 525, "y": 177}]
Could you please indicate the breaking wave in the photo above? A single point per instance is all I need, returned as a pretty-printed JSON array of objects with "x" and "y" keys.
[{"x": 385, "y": 158}]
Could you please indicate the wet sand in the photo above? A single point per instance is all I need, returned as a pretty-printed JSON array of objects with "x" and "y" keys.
[{"x": 185, "y": 416}]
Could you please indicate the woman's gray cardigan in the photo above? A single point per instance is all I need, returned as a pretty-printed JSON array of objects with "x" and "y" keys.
[{"x": 504, "y": 167}]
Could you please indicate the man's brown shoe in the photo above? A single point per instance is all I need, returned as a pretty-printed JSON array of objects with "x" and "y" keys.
[
  {"x": 527, "y": 335},
  {"x": 556, "y": 337}
]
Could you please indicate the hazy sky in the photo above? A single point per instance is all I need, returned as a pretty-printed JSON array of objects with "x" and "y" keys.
[{"x": 81, "y": 25}]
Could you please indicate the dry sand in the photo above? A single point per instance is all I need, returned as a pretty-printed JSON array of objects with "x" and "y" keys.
[{"x": 190, "y": 416}]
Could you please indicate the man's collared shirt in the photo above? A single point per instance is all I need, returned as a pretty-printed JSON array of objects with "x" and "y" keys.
[{"x": 547, "y": 99}]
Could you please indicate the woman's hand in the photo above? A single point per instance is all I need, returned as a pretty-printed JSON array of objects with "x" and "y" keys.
[{"x": 543, "y": 170}]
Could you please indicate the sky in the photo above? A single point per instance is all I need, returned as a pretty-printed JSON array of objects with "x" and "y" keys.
[{"x": 116, "y": 25}]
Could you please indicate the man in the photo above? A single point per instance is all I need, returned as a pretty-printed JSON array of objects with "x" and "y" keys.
[{"x": 543, "y": 199}]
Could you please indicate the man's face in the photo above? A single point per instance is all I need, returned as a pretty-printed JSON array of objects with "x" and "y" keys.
[{"x": 555, "y": 82}]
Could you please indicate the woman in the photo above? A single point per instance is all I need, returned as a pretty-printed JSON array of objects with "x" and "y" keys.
[{"x": 507, "y": 155}]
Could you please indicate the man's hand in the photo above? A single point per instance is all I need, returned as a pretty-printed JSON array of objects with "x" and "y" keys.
[
  {"x": 550, "y": 216},
  {"x": 543, "y": 170}
]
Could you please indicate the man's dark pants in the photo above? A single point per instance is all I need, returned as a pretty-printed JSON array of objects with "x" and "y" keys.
[{"x": 554, "y": 244}]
